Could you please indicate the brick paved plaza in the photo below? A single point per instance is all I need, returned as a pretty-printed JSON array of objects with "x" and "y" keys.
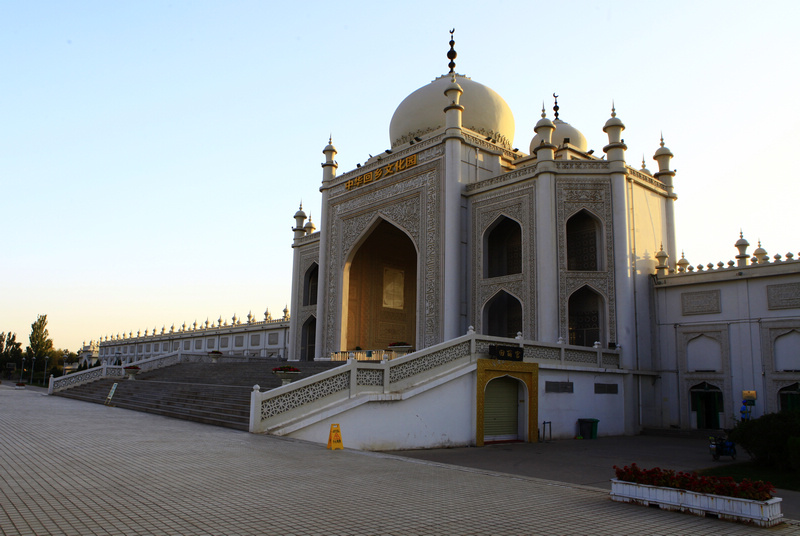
[{"x": 71, "y": 468}]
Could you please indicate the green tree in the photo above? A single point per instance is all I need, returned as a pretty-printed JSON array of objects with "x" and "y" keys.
[
  {"x": 40, "y": 341},
  {"x": 10, "y": 352}
]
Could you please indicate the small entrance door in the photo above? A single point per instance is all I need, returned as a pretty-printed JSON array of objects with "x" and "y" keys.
[
  {"x": 707, "y": 403},
  {"x": 501, "y": 410}
]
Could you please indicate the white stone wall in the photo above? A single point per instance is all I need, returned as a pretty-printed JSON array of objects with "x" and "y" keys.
[{"x": 737, "y": 313}]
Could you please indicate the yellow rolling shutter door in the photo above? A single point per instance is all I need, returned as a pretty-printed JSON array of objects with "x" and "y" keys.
[{"x": 501, "y": 409}]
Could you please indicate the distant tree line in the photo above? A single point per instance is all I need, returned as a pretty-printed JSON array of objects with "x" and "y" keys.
[{"x": 40, "y": 358}]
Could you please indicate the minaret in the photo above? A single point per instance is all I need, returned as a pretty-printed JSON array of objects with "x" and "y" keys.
[
  {"x": 454, "y": 110},
  {"x": 616, "y": 145},
  {"x": 546, "y": 235},
  {"x": 328, "y": 175},
  {"x": 299, "y": 232},
  {"x": 742, "y": 245},
  {"x": 624, "y": 255},
  {"x": 663, "y": 157},
  {"x": 299, "y": 218},
  {"x": 453, "y": 283},
  {"x": 544, "y": 129}
]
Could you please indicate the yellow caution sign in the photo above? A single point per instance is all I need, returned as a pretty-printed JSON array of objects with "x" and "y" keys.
[{"x": 335, "y": 438}]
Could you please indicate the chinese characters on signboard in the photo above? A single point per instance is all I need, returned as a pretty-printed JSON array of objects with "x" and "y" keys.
[
  {"x": 381, "y": 172},
  {"x": 506, "y": 353}
]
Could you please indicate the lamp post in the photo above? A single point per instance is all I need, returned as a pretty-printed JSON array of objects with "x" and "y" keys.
[
  {"x": 21, "y": 367},
  {"x": 44, "y": 373},
  {"x": 33, "y": 366}
]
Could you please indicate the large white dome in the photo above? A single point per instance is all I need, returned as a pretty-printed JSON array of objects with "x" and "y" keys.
[{"x": 421, "y": 112}]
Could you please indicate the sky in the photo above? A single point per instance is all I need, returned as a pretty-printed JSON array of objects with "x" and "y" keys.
[{"x": 153, "y": 153}]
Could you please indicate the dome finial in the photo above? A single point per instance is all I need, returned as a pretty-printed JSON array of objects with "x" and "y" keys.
[
  {"x": 613, "y": 109},
  {"x": 662, "y": 138},
  {"x": 451, "y": 54},
  {"x": 543, "y": 113},
  {"x": 555, "y": 106}
]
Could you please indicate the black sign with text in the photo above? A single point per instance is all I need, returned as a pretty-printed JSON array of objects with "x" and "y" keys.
[{"x": 506, "y": 353}]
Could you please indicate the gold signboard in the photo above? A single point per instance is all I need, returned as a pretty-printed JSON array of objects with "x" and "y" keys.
[{"x": 381, "y": 172}]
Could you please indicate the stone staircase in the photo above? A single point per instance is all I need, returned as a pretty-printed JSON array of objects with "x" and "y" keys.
[{"x": 210, "y": 393}]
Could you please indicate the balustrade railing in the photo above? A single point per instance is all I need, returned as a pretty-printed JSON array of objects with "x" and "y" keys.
[
  {"x": 118, "y": 371},
  {"x": 371, "y": 355},
  {"x": 396, "y": 373}
]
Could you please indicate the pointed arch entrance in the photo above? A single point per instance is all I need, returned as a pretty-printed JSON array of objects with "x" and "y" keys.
[
  {"x": 308, "y": 339},
  {"x": 380, "y": 302}
]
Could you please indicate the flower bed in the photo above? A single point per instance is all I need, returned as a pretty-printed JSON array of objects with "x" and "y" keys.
[
  {"x": 285, "y": 368},
  {"x": 747, "y": 501},
  {"x": 723, "y": 485}
]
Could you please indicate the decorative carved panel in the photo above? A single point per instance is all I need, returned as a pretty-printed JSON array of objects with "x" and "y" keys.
[
  {"x": 700, "y": 303},
  {"x": 785, "y": 296}
]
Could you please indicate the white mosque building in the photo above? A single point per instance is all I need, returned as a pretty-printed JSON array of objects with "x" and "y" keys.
[{"x": 455, "y": 247}]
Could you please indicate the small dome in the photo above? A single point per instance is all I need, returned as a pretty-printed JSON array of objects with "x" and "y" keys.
[
  {"x": 309, "y": 227},
  {"x": 300, "y": 213},
  {"x": 564, "y": 131},
  {"x": 422, "y": 112},
  {"x": 662, "y": 151},
  {"x": 742, "y": 241},
  {"x": 613, "y": 122}
]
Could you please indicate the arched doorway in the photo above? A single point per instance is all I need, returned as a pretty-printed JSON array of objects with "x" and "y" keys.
[
  {"x": 308, "y": 340},
  {"x": 504, "y": 410},
  {"x": 381, "y": 298},
  {"x": 502, "y": 316},
  {"x": 586, "y": 324},
  {"x": 706, "y": 402}
]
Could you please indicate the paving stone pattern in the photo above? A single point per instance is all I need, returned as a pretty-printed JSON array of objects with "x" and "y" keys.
[{"x": 71, "y": 468}]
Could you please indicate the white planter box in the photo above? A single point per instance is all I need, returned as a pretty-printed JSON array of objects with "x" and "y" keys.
[{"x": 761, "y": 513}]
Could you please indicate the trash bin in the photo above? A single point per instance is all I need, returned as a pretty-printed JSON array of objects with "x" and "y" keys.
[{"x": 588, "y": 428}]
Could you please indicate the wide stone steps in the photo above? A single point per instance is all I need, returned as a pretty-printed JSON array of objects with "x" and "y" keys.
[
  {"x": 227, "y": 406},
  {"x": 211, "y": 393}
]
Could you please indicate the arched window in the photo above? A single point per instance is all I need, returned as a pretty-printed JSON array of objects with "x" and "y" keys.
[
  {"x": 502, "y": 316},
  {"x": 503, "y": 248},
  {"x": 308, "y": 339},
  {"x": 704, "y": 354},
  {"x": 787, "y": 352},
  {"x": 310, "y": 285},
  {"x": 585, "y": 317},
  {"x": 583, "y": 242}
]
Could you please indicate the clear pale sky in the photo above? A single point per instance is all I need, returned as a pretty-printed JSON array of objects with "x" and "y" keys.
[{"x": 152, "y": 153}]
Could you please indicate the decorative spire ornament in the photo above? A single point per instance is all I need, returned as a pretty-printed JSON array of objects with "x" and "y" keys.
[{"x": 451, "y": 54}]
